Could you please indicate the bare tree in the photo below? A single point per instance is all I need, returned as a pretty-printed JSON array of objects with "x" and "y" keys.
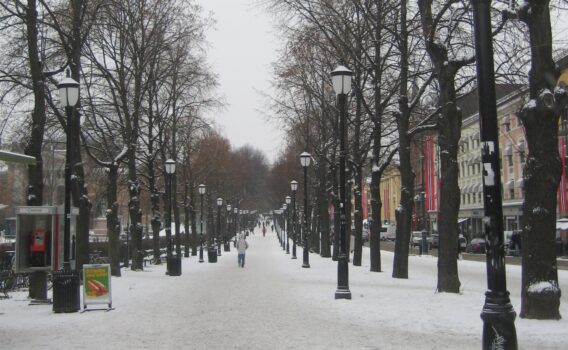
[{"x": 540, "y": 297}]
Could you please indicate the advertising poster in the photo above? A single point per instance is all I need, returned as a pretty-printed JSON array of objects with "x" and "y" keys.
[{"x": 96, "y": 285}]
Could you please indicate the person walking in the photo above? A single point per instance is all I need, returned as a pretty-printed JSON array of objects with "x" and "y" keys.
[{"x": 242, "y": 246}]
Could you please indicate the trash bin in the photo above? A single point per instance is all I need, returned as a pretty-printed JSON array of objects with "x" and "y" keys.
[
  {"x": 212, "y": 255},
  {"x": 66, "y": 291},
  {"x": 174, "y": 265}
]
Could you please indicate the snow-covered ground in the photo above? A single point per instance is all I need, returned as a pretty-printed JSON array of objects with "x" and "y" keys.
[{"x": 274, "y": 303}]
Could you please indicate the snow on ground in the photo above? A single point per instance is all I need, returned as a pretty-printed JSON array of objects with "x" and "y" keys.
[{"x": 275, "y": 303}]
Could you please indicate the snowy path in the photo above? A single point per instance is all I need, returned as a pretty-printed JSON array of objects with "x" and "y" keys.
[{"x": 274, "y": 303}]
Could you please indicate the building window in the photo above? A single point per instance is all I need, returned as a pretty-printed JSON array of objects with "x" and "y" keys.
[{"x": 512, "y": 193}]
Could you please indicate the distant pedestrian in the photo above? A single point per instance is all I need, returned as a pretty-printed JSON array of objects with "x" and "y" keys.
[
  {"x": 263, "y": 231},
  {"x": 242, "y": 246}
]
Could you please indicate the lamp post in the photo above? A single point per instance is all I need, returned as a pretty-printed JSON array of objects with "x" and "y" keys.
[
  {"x": 294, "y": 187},
  {"x": 288, "y": 202},
  {"x": 201, "y": 193},
  {"x": 66, "y": 289},
  {"x": 211, "y": 249},
  {"x": 285, "y": 231},
  {"x": 497, "y": 314},
  {"x": 341, "y": 79},
  {"x": 305, "y": 159},
  {"x": 219, "y": 205},
  {"x": 173, "y": 263},
  {"x": 236, "y": 225},
  {"x": 241, "y": 216},
  {"x": 228, "y": 231},
  {"x": 68, "y": 96}
]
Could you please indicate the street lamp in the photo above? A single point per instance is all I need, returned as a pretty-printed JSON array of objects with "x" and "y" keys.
[
  {"x": 173, "y": 263},
  {"x": 66, "y": 290},
  {"x": 68, "y": 97},
  {"x": 498, "y": 314},
  {"x": 201, "y": 193},
  {"x": 219, "y": 205},
  {"x": 288, "y": 202},
  {"x": 341, "y": 80},
  {"x": 211, "y": 249},
  {"x": 305, "y": 159},
  {"x": 294, "y": 186},
  {"x": 227, "y": 246},
  {"x": 236, "y": 225},
  {"x": 241, "y": 222},
  {"x": 285, "y": 231}
]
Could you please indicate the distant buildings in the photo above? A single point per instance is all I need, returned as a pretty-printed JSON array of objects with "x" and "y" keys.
[{"x": 513, "y": 152}]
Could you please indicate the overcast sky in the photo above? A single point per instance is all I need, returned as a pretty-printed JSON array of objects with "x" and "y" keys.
[{"x": 243, "y": 45}]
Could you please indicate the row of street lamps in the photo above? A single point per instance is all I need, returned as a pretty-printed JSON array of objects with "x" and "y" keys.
[{"x": 341, "y": 81}]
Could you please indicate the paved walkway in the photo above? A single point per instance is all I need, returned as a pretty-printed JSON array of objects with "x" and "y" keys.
[{"x": 272, "y": 303}]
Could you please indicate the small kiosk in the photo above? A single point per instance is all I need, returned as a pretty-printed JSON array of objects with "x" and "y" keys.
[{"x": 39, "y": 238}]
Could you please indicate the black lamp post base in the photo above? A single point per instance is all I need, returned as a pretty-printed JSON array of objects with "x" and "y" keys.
[
  {"x": 201, "y": 255},
  {"x": 343, "y": 294},
  {"x": 306, "y": 265},
  {"x": 498, "y": 318},
  {"x": 294, "y": 257},
  {"x": 227, "y": 247}
]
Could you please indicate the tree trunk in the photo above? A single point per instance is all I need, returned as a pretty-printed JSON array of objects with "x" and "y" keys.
[
  {"x": 403, "y": 213},
  {"x": 375, "y": 224},
  {"x": 357, "y": 217},
  {"x": 449, "y": 132},
  {"x": 135, "y": 228},
  {"x": 35, "y": 141},
  {"x": 540, "y": 295},
  {"x": 194, "y": 239},
  {"x": 156, "y": 223},
  {"x": 187, "y": 212},
  {"x": 323, "y": 210},
  {"x": 113, "y": 226}
]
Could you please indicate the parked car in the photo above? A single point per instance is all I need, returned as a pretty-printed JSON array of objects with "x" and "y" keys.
[
  {"x": 417, "y": 239},
  {"x": 388, "y": 233},
  {"x": 476, "y": 246}
]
